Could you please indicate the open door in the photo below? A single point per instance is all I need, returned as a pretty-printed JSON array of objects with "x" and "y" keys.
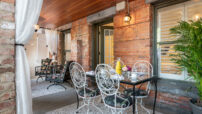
[
  {"x": 107, "y": 45},
  {"x": 103, "y": 44}
]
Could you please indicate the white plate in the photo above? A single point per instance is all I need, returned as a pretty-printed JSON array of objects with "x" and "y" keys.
[
  {"x": 117, "y": 77},
  {"x": 90, "y": 73}
]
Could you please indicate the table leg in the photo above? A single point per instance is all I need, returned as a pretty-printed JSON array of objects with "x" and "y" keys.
[
  {"x": 134, "y": 102},
  {"x": 155, "y": 83},
  {"x": 77, "y": 100}
]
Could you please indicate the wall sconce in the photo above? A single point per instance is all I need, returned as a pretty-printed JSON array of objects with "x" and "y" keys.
[
  {"x": 36, "y": 27},
  {"x": 196, "y": 17},
  {"x": 127, "y": 17}
]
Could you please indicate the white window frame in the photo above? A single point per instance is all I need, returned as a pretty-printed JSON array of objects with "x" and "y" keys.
[{"x": 184, "y": 75}]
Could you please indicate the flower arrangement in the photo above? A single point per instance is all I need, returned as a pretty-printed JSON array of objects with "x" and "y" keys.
[{"x": 126, "y": 68}]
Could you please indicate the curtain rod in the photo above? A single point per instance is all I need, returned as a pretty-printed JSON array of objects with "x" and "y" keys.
[{"x": 46, "y": 28}]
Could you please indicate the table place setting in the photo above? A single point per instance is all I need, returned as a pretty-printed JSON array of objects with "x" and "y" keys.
[
  {"x": 117, "y": 77},
  {"x": 90, "y": 72},
  {"x": 141, "y": 73}
]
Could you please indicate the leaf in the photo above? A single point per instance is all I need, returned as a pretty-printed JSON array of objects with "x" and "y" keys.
[{"x": 189, "y": 49}]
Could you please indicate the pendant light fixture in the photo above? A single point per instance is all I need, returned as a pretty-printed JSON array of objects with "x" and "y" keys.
[
  {"x": 36, "y": 27},
  {"x": 127, "y": 17}
]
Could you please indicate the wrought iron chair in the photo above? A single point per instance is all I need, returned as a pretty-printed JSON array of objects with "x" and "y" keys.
[
  {"x": 57, "y": 77},
  {"x": 143, "y": 70},
  {"x": 43, "y": 70},
  {"x": 109, "y": 87},
  {"x": 78, "y": 76}
]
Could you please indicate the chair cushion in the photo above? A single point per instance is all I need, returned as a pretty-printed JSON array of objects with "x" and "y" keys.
[
  {"x": 120, "y": 103},
  {"x": 138, "y": 92},
  {"x": 89, "y": 93}
]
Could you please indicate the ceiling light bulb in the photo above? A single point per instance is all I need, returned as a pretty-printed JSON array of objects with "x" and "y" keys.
[
  {"x": 127, "y": 18},
  {"x": 196, "y": 17},
  {"x": 36, "y": 27}
]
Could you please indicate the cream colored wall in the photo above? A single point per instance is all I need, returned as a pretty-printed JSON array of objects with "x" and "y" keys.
[{"x": 34, "y": 53}]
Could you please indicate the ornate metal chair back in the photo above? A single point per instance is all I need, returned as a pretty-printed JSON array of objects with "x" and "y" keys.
[
  {"x": 106, "y": 85},
  {"x": 143, "y": 70},
  {"x": 78, "y": 76}
]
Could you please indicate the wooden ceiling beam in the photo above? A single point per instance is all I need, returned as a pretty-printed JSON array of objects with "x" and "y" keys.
[{"x": 60, "y": 12}]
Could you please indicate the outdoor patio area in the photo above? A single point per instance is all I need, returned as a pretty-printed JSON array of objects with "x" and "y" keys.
[
  {"x": 100, "y": 56},
  {"x": 59, "y": 101}
]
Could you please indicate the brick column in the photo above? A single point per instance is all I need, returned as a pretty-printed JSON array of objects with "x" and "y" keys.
[
  {"x": 80, "y": 44},
  {"x": 7, "y": 53}
]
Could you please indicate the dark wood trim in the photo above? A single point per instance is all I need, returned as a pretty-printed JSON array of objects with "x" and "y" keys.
[
  {"x": 95, "y": 41},
  {"x": 176, "y": 87},
  {"x": 151, "y": 1},
  {"x": 157, "y": 5},
  {"x": 66, "y": 31},
  {"x": 63, "y": 44},
  {"x": 164, "y": 3}
]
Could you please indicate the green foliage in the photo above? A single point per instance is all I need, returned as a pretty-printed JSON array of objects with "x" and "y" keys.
[{"x": 189, "y": 48}]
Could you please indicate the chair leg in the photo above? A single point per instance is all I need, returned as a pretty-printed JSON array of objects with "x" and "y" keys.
[
  {"x": 77, "y": 100},
  {"x": 41, "y": 77},
  {"x": 37, "y": 80},
  {"x": 115, "y": 111},
  {"x": 51, "y": 85},
  {"x": 97, "y": 108},
  {"x": 61, "y": 86},
  {"x": 144, "y": 107},
  {"x": 56, "y": 84},
  {"x": 136, "y": 108},
  {"x": 88, "y": 103},
  {"x": 80, "y": 108}
]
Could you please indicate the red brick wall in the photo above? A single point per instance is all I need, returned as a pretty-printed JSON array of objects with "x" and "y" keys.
[
  {"x": 169, "y": 103},
  {"x": 132, "y": 41},
  {"x": 7, "y": 65},
  {"x": 80, "y": 44}
]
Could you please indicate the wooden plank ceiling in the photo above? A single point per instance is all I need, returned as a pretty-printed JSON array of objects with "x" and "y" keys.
[{"x": 56, "y": 13}]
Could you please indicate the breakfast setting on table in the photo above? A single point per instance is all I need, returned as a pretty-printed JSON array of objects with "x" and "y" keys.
[{"x": 139, "y": 77}]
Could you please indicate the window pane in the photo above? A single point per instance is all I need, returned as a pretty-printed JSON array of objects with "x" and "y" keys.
[
  {"x": 168, "y": 18},
  {"x": 68, "y": 41},
  {"x": 68, "y": 46},
  {"x": 167, "y": 66},
  {"x": 109, "y": 46}
]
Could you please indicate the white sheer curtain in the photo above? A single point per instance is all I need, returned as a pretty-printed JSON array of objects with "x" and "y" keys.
[
  {"x": 27, "y": 14},
  {"x": 52, "y": 40}
]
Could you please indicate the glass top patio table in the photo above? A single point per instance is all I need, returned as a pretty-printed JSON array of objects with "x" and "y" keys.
[{"x": 128, "y": 81}]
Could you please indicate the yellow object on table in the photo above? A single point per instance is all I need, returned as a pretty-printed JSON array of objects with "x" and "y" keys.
[{"x": 118, "y": 67}]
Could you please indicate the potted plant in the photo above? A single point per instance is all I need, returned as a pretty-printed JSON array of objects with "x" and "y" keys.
[{"x": 189, "y": 55}]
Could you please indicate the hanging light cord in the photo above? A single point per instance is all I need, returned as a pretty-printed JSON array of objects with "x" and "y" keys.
[{"x": 128, "y": 5}]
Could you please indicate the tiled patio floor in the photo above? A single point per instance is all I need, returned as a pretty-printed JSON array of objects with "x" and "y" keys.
[
  {"x": 40, "y": 88},
  {"x": 56, "y": 100},
  {"x": 70, "y": 109}
]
